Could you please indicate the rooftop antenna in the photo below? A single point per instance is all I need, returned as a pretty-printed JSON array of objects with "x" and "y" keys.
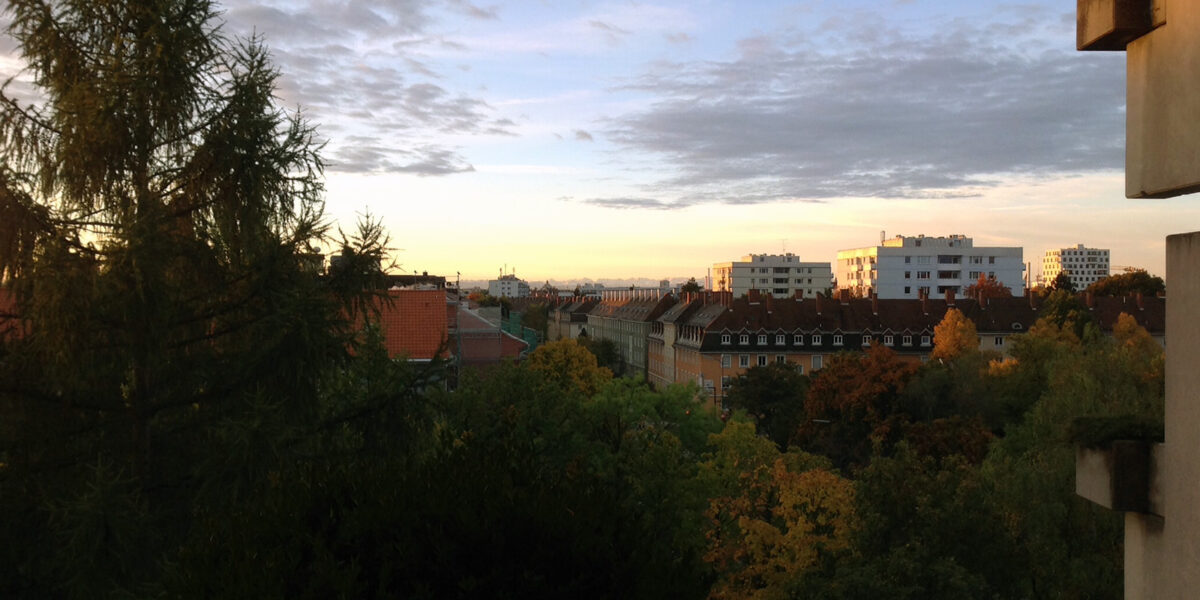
[
  {"x": 882, "y": 235},
  {"x": 783, "y": 245}
]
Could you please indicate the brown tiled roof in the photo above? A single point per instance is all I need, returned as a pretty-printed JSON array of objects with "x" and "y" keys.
[
  {"x": 633, "y": 309},
  {"x": 414, "y": 323}
]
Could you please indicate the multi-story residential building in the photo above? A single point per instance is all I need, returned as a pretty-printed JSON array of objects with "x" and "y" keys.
[
  {"x": 781, "y": 275},
  {"x": 508, "y": 286},
  {"x": 624, "y": 317},
  {"x": 907, "y": 266},
  {"x": 1085, "y": 266}
]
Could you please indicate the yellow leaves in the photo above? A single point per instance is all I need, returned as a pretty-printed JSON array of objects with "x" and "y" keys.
[
  {"x": 568, "y": 363},
  {"x": 776, "y": 528},
  {"x": 1002, "y": 367},
  {"x": 954, "y": 336}
]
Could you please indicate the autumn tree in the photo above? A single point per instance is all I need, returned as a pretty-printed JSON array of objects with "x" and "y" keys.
[
  {"x": 853, "y": 403},
  {"x": 954, "y": 336},
  {"x": 570, "y": 365},
  {"x": 987, "y": 287}
]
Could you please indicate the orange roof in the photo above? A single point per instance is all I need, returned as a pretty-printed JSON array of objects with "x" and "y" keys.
[{"x": 414, "y": 323}]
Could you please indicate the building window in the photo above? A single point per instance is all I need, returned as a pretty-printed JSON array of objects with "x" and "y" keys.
[
  {"x": 908, "y": 274},
  {"x": 744, "y": 339},
  {"x": 743, "y": 360},
  {"x": 907, "y": 289},
  {"x": 889, "y": 340},
  {"x": 725, "y": 379},
  {"x": 907, "y": 259},
  {"x": 816, "y": 361},
  {"x": 726, "y": 338},
  {"x": 780, "y": 359},
  {"x": 866, "y": 340},
  {"x": 780, "y": 340},
  {"x": 726, "y": 361},
  {"x": 991, "y": 260},
  {"x": 762, "y": 339},
  {"x": 762, "y": 360},
  {"x": 816, "y": 340},
  {"x": 800, "y": 369},
  {"x": 837, "y": 339},
  {"x": 922, "y": 274},
  {"x": 924, "y": 340},
  {"x": 999, "y": 341},
  {"x": 907, "y": 340},
  {"x": 798, "y": 339}
]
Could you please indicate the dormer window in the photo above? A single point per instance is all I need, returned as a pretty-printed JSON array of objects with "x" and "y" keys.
[
  {"x": 907, "y": 340},
  {"x": 780, "y": 340},
  {"x": 762, "y": 339},
  {"x": 924, "y": 340},
  {"x": 837, "y": 340},
  {"x": 744, "y": 339},
  {"x": 726, "y": 338},
  {"x": 798, "y": 339},
  {"x": 866, "y": 340},
  {"x": 889, "y": 340},
  {"x": 817, "y": 340}
]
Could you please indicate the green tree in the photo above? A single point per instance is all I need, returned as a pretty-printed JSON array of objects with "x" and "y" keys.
[
  {"x": 691, "y": 287},
  {"x": 774, "y": 397},
  {"x": 1137, "y": 281},
  {"x": 159, "y": 216},
  {"x": 537, "y": 318},
  {"x": 1062, "y": 282}
]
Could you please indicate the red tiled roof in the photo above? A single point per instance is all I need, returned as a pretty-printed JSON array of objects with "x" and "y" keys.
[{"x": 414, "y": 323}]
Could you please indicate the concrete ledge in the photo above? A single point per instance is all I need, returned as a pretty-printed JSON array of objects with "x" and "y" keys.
[
  {"x": 1112, "y": 24},
  {"x": 1122, "y": 477}
]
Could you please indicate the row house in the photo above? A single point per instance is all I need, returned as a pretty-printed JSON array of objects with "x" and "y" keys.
[
  {"x": 624, "y": 317},
  {"x": 719, "y": 338},
  {"x": 568, "y": 319}
]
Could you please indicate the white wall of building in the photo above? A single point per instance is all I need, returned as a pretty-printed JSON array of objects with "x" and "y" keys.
[
  {"x": 904, "y": 266},
  {"x": 508, "y": 286},
  {"x": 1084, "y": 265},
  {"x": 781, "y": 275}
]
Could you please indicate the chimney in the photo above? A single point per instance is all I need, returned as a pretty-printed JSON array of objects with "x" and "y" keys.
[
  {"x": 844, "y": 295},
  {"x": 874, "y": 303},
  {"x": 1138, "y": 297},
  {"x": 752, "y": 295},
  {"x": 818, "y": 304},
  {"x": 925, "y": 303},
  {"x": 770, "y": 303},
  {"x": 1089, "y": 300},
  {"x": 949, "y": 297},
  {"x": 799, "y": 295}
]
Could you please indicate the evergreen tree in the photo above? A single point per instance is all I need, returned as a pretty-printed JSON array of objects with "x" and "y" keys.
[{"x": 159, "y": 214}]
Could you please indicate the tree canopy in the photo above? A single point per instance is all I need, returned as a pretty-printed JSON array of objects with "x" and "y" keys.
[{"x": 1132, "y": 282}]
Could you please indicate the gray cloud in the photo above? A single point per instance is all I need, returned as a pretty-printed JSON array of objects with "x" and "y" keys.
[
  {"x": 887, "y": 114},
  {"x": 583, "y": 136},
  {"x": 363, "y": 65},
  {"x": 678, "y": 38},
  {"x": 635, "y": 203}
]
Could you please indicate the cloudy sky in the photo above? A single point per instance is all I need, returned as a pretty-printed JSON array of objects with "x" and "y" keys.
[{"x": 573, "y": 139}]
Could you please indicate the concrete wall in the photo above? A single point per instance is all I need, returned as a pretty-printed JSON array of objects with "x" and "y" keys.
[
  {"x": 1162, "y": 554},
  {"x": 1162, "y": 155}
]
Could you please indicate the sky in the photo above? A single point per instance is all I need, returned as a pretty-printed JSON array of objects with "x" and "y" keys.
[{"x": 571, "y": 140}]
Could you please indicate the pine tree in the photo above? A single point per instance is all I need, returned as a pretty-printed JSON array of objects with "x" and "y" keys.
[{"x": 158, "y": 219}]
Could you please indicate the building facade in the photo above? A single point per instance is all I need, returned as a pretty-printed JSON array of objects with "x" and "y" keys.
[
  {"x": 908, "y": 266},
  {"x": 624, "y": 317},
  {"x": 508, "y": 286},
  {"x": 1085, "y": 266},
  {"x": 781, "y": 275}
]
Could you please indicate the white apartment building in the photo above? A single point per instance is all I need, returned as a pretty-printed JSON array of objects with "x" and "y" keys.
[
  {"x": 904, "y": 266},
  {"x": 1085, "y": 266},
  {"x": 781, "y": 275},
  {"x": 508, "y": 286}
]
